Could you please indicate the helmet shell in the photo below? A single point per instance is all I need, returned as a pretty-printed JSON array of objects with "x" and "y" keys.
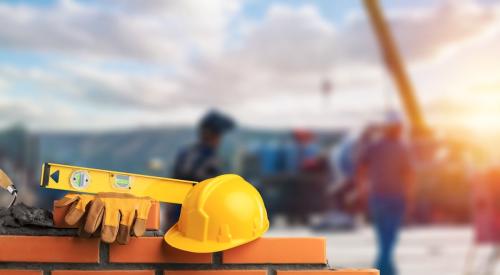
[{"x": 218, "y": 214}]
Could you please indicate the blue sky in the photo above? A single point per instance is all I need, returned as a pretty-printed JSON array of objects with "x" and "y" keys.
[{"x": 92, "y": 65}]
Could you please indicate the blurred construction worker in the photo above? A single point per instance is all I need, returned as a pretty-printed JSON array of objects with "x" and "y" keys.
[
  {"x": 384, "y": 179},
  {"x": 307, "y": 149},
  {"x": 199, "y": 161}
]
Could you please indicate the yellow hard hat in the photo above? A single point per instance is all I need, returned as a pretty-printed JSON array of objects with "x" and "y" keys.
[{"x": 218, "y": 214}]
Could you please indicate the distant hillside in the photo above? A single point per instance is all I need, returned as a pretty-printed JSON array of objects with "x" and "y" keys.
[
  {"x": 125, "y": 150},
  {"x": 23, "y": 152},
  {"x": 133, "y": 150},
  {"x": 130, "y": 150}
]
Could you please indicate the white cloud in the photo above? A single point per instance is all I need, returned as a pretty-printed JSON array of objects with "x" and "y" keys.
[
  {"x": 291, "y": 40},
  {"x": 163, "y": 31},
  {"x": 270, "y": 77},
  {"x": 421, "y": 33}
]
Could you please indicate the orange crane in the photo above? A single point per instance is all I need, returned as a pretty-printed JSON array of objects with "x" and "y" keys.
[{"x": 396, "y": 67}]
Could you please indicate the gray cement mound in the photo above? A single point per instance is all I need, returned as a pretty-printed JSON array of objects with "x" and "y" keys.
[{"x": 22, "y": 219}]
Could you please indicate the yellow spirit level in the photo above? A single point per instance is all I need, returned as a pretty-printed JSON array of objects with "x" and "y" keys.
[{"x": 89, "y": 180}]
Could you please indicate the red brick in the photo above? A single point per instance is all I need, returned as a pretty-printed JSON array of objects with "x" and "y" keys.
[
  {"x": 153, "y": 222},
  {"x": 216, "y": 272},
  {"x": 330, "y": 272},
  {"x": 102, "y": 272},
  {"x": 278, "y": 250},
  {"x": 20, "y": 272},
  {"x": 48, "y": 249},
  {"x": 153, "y": 250}
]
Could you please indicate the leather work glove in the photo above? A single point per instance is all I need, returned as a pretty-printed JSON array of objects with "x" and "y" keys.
[
  {"x": 78, "y": 203},
  {"x": 117, "y": 213}
]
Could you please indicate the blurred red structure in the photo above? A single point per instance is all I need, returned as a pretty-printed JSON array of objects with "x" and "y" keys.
[{"x": 486, "y": 206}]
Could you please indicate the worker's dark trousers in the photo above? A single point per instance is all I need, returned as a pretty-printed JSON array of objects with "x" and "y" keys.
[{"x": 387, "y": 213}]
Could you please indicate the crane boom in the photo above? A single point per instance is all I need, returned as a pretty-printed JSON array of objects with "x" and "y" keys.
[{"x": 395, "y": 65}]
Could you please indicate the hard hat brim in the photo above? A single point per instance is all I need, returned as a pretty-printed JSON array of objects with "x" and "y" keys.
[{"x": 175, "y": 238}]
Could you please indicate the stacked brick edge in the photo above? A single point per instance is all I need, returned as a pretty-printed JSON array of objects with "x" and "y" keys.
[{"x": 69, "y": 255}]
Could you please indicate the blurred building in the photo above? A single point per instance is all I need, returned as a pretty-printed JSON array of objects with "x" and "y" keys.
[{"x": 19, "y": 158}]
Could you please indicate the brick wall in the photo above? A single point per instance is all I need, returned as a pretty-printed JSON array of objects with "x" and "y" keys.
[
  {"x": 66, "y": 255},
  {"x": 69, "y": 255}
]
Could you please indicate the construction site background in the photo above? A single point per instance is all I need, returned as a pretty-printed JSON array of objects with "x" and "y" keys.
[{"x": 304, "y": 83}]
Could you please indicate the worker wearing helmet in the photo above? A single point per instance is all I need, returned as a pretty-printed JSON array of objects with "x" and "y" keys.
[
  {"x": 385, "y": 167},
  {"x": 198, "y": 162}
]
